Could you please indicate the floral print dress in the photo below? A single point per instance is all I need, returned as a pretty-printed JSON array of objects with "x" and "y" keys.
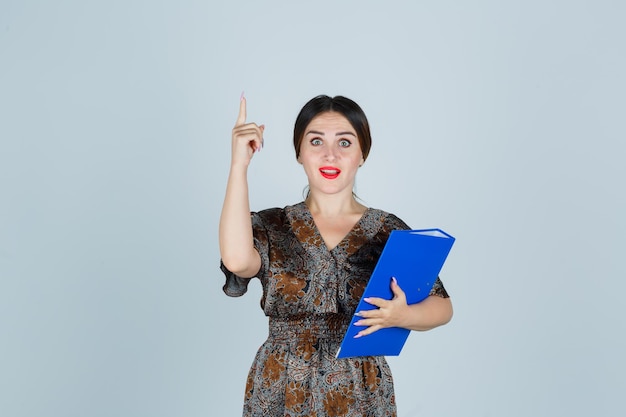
[{"x": 310, "y": 294}]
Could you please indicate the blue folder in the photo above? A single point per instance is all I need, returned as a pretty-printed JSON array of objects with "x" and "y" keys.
[{"x": 414, "y": 258}]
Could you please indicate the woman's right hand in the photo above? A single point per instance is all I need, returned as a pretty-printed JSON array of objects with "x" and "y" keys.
[{"x": 247, "y": 137}]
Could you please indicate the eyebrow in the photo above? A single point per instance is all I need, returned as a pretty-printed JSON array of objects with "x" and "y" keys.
[{"x": 315, "y": 132}]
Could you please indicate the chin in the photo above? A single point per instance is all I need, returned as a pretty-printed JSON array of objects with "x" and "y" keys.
[{"x": 331, "y": 190}]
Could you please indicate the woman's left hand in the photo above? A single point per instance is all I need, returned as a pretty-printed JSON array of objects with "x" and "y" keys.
[{"x": 390, "y": 313}]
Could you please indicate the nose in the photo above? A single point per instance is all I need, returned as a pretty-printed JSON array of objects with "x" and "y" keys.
[{"x": 331, "y": 153}]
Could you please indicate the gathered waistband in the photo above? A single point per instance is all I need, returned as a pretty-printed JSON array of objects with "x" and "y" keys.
[{"x": 310, "y": 327}]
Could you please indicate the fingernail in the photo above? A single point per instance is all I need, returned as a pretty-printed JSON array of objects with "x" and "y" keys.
[
  {"x": 394, "y": 279},
  {"x": 356, "y": 336},
  {"x": 358, "y": 314},
  {"x": 243, "y": 95}
]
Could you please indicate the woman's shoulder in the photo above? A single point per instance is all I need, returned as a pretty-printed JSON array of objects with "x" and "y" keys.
[
  {"x": 387, "y": 219},
  {"x": 280, "y": 214},
  {"x": 268, "y": 212},
  {"x": 280, "y": 210}
]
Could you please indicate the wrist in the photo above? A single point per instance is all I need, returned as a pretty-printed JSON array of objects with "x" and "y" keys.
[{"x": 238, "y": 167}]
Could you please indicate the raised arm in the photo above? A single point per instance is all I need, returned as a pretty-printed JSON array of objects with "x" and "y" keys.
[{"x": 235, "y": 231}]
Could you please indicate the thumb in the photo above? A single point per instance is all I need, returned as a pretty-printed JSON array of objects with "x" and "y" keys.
[{"x": 396, "y": 290}]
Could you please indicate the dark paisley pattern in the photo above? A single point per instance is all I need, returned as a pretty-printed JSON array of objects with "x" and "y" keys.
[{"x": 310, "y": 294}]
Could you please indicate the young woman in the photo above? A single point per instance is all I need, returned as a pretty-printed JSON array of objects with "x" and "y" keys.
[{"x": 314, "y": 259}]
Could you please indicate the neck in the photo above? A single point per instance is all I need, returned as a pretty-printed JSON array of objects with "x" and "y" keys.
[{"x": 333, "y": 205}]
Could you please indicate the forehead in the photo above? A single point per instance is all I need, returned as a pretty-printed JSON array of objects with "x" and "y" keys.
[{"x": 330, "y": 121}]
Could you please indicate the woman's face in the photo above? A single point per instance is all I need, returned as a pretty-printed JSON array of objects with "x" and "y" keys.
[{"x": 330, "y": 153}]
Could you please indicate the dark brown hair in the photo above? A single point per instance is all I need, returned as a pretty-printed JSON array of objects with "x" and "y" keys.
[{"x": 342, "y": 105}]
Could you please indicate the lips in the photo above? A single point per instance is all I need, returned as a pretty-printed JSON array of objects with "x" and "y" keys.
[{"x": 329, "y": 172}]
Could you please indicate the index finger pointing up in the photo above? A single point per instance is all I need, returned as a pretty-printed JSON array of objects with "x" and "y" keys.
[{"x": 241, "y": 118}]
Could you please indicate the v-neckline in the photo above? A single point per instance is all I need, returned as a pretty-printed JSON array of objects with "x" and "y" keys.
[{"x": 344, "y": 239}]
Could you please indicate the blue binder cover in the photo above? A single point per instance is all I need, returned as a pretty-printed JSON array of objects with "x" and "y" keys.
[{"x": 414, "y": 258}]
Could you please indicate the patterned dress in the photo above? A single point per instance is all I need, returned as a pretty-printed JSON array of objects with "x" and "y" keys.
[{"x": 310, "y": 294}]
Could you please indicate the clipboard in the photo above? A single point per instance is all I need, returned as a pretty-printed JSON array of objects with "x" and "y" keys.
[{"x": 414, "y": 258}]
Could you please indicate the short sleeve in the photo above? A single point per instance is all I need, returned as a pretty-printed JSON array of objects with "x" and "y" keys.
[
  {"x": 439, "y": 290},
  {"x": 236, "y": 286}
]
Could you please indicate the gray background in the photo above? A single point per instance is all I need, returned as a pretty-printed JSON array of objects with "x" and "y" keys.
[{"x": 501, "y": 122}]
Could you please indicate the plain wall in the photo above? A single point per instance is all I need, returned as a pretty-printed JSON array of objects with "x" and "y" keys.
[{"x": 501, "y": 122}]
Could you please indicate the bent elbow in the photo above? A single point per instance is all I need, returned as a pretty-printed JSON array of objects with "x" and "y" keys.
[
  {"x": 447, "y": 313},
  {"x": 241, "y": 265},
  {"x": 448, "y": 317}
]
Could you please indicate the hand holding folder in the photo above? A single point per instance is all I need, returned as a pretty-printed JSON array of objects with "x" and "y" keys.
[{"x": 414, "y": 258}]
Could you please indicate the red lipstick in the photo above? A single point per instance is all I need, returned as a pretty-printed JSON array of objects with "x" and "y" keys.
[{"x": 329, "y": 172}]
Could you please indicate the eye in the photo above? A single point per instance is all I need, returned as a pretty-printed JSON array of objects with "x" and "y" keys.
[
  {"x": 316, "y": 141},
  {"x": 344, "y": 143}
]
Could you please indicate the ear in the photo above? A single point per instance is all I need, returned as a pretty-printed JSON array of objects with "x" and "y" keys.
[{"x": 362, "y": 162}]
